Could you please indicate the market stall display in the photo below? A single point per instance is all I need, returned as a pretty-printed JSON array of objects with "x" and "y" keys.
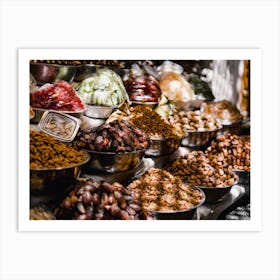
[{"x": 145, "y": 145}]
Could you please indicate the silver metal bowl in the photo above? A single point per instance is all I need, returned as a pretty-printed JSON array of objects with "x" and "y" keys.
[
  {"x": 38, "y": 114},
  {"x": 55, "y": 180},
  {"x": 243, "y": 175},
  {"x": 160, "y": 147},
  {"x": 231, "y": 127},
  {"x": 48, "y": 73},
  {"x": 199, "y": 138},
  {"x": 151, "y": 105},
  {"x": 215, "y": 195},
  {"x": 179, "y": 214},
  {"x": 98, "y": 112},
  {"x": 114, "y": 162}
]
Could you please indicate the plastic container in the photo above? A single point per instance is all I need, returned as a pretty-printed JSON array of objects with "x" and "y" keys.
[{"x": 59, "y": 125}]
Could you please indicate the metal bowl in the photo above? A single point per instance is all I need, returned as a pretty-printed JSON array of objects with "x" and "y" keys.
[
  {"x": 214, "y": 194},
  {"x": 38, "y": 113},
  {"x": 179, "y": 214},
  {"x": 199, "y": 138},
  {"x": 231, "y": 127},
  {"x": 243, "y": 175},
  {"x": 55, "y": 180},
  {"x": 160, "y": 147},
  {"x": 114, "y": 162},
  {"x": 48, "y": 73},
  {"x": 151, "y": 105},
  {"x": 98, "y": 112}
]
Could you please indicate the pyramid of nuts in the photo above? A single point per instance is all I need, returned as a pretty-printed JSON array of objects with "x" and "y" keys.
[
  {"x": 230, "y": 151},
  {"x": 197, "y": 169}
]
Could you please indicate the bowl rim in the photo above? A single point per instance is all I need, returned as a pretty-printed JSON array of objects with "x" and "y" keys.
[
  {"x": 186, "y": 210},
  {"x": 101, "y": 106},
  {"x": 87, "y": 158},
  {"x": 52, "y": 64},
  {"x": 209, "y": 130},
  {"x": 114, "y": 153},
  {"x": 57, "y": 111},
  {"x": 225, "y": 187},
  {"x": 144, "y": 103},
  {"x": 166, "y": 139}
]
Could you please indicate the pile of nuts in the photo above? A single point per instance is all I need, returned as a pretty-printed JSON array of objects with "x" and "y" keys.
[
  {"x": 158, "y": 190},
  {"x": 116, "y": 136},
  {"x": 230, "y": 151},
  {"x": 47, "y": 152},
  {"x": 91, "y": 200},
  {"x": 62, "y": 129},
  {"x": 197, "y": 169},
  {"x": 152, "y": 123},
  {"x": 194, "y": 121},
  {"x": 223, "y": 110}
]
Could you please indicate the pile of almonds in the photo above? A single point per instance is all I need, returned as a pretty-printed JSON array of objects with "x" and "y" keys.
[
  {"x": 194, "y": 121},
  {"x": 230, "y": 151},
  {"x": 91, "y": 200},
  {"x": 197, "y": 169}
]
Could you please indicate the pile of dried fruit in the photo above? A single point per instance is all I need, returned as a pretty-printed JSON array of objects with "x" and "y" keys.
[
  {"x": 92, "y": 200},
  {"x": 230, "y": 151},
  {"x": 198, "y": 170},
  {"x": 60, "y": 96},
  {"x": 116, "y": 136},
  {"x": 152, "y": 123},
  {"x": 158, "y": 190},
  {"x": 47, "y": 152}
]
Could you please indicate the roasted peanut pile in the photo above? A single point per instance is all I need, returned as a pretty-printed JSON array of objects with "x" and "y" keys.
[
  {"x": 196, "y": 169},
  {"x": 152, "y": 123},
  {"x": 230, "y": 151},
  {"x": 91, "y": 200},
  {"x": 223, "y": 110},
  {"x": 116, "y": 136},
  {"x": 47, "y": 152},
  {"x": 194, "y": 121},
  {"x": 158, "y": 190}
]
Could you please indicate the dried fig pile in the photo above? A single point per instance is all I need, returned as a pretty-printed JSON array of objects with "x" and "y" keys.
[{"x": 92, "y": 200}]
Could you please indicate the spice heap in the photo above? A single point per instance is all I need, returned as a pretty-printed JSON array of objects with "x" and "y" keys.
[
  {"x": 60, "y": 96},
  {"x": 158, "y": 190},
  {"x": 194, "y": 121},
  {"x": 152, "y": 123},
  {"x": 230, "y": 151},
  {"x": 92, "y": 200},
  {"x": 47, "y": 152},
  {"x": 198, "y": 170},
  {"x": 38, "y": 213},
  {"x": 116, "y": 136}
]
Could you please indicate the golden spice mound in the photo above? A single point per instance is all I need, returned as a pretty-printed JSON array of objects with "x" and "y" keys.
[
  {"x": 47, "y": 152},
  {"x": 158, "y": 190},
  {"x": 152, "y": 123}
]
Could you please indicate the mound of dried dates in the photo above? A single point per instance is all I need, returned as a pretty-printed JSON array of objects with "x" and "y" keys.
[
  {"x": 116, "y": 136},
  {"x": 230, "y": 151},
  {"x": 91, "y": 200},
  {"x": 197, "y": 169}
]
